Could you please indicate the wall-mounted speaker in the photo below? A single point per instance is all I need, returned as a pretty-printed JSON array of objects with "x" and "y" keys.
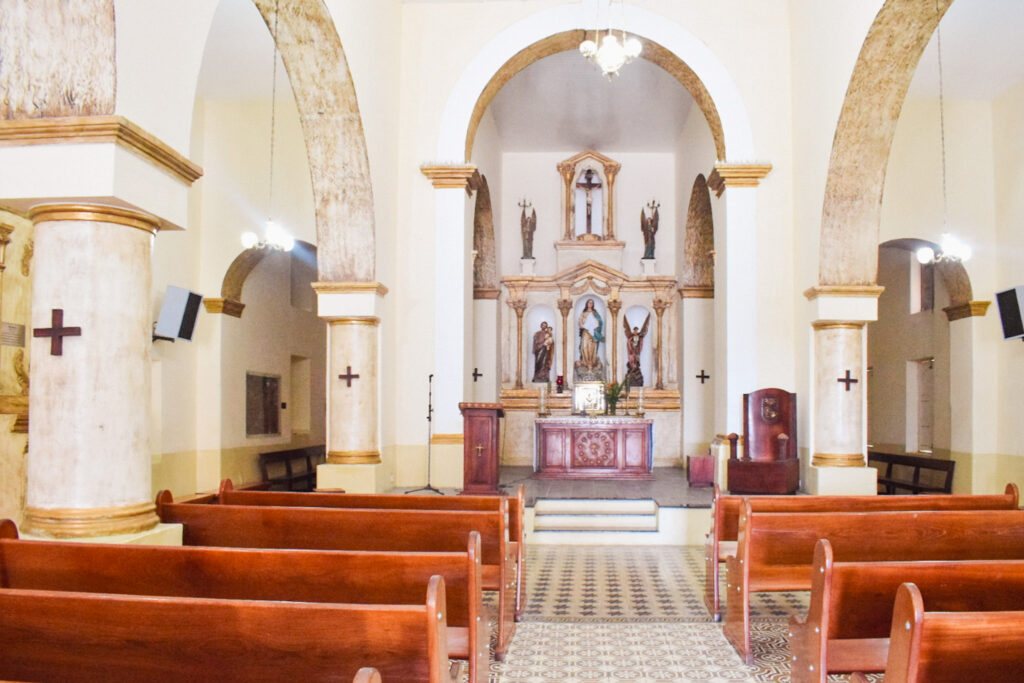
[
  {"x": 1011, "y": 303},
  {"x": 178, "y": 314}
]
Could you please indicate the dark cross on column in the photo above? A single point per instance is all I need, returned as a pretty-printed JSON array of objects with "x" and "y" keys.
[
  {"x": 477, "y": 374},
  {"x": 348, "y": 376},
  {"x": 846, "y": 380},
  {"x": 57, "y": 332},
  {"x": 702, "y": 376}
]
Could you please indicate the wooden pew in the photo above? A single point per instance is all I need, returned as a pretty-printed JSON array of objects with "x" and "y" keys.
[
  {"x": 916, "y": 464},
  {"x": 941, "y": 647},
  {"x": 720, "y": 542},
  {"x": 775, "y": 550},
  {"x": 229, "y": 495},
  {"x": 256, "y": 526},
  {"x": 61, "y": 635},
  {"x": 295, "y": 575},
  {"x": 847, "y": 624},
  {"x": 367, "y": 675}
]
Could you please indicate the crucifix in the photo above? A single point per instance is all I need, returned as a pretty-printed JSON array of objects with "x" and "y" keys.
[
  {"x": 57, "y": 332},
  {"x": 589, "y": 186},
  {"x": 702, "y": 376},
  {"x": 847, "y": 380},
  {"x": 348, "y": 376},
  {"x": 477, "y": 374}
]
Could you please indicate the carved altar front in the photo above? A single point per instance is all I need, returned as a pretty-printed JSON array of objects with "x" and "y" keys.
[{"x": 593, "y": 448}]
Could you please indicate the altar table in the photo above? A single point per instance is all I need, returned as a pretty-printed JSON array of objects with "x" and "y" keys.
[{"x": 593, "y": 448}]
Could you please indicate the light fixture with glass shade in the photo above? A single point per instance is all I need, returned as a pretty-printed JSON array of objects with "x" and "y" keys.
[
  {"x": 610, "y": 49},
  {"x": 951, "y": 248},
  {"x": 274, "y": 236}
]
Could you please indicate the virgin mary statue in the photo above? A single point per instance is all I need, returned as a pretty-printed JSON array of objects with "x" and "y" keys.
[{"x": 589, "y": 367}]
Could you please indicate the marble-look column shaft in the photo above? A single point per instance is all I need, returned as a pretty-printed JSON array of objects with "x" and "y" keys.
[
  {"x": 839, "y": 435},
  {"x": 659, "y": 308},
  {"x": 614, "y": 306},
  {"x": 352, "y": 378},
  {"x": 519, "y": 307},
  {"x": 565, "y": 307},
  {"x": 89, "y": 469}
]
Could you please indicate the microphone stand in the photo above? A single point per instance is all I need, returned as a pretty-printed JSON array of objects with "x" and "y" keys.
[{"x": 430, "y": 434}]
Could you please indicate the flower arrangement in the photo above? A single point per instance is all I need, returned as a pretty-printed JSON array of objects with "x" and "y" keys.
[{"x": 613, "y": 392}]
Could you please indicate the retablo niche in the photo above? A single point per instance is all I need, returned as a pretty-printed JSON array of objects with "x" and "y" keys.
[{"x": 178, "y": 314}]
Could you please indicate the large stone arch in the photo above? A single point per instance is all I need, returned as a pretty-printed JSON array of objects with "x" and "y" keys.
[
  {"x": 860, "y": 150},
  {"x": 338, "y": 163}
]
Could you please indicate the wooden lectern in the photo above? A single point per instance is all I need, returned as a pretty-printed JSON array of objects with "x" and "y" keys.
[{"x": 481, "y": 447}]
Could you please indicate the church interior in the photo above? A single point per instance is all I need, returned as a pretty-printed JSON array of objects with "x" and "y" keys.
[{"x": 620, "y": 258}]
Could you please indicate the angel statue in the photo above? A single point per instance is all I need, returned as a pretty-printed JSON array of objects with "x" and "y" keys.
[
  {"x": 528, "y": 225},
  {"x": 649, "y": 227},
  {"x": 634, "y": 345}
]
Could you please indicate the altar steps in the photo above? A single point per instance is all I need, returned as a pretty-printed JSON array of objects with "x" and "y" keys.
[{"x": 613, "y": 522}]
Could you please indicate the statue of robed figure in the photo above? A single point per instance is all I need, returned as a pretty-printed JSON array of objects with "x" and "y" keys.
[
  {"x": 634, "y": 345},
  {"x": 649, "y": 227},
  {"x": 528, "y": 226}
]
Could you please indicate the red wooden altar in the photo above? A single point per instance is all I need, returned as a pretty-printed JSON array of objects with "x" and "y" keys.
[{"x": 594, "y": 448}]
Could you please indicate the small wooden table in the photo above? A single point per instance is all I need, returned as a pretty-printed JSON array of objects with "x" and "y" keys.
[{"x": 594, "y": 448}]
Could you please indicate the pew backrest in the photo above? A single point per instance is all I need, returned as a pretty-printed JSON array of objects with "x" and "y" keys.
[{"x": 101, "y": 637}]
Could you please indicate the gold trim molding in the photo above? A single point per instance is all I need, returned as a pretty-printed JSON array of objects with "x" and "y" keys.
[
  {"x": 446, "y": 439},
  {"x": 86, "y": 522},
  {"x": 350, "y": 288},
  {"x": 837, "y": 325},
  {"x": 736, "y": 175},
  {"x": 455, "y": 176},
  {"x": 866, "y": 291},
  {"x": 92, "y": 129},
  {"x": 370, "y": 320},
  {"x": 696, "y": 292},
  {"x": 224, "y": 306},
  {"x": 971, "y": 309},
  {"x": 838, "y": 460},
  {"x": 96, "y": 213},
  {"x": 353, "y": 457}
]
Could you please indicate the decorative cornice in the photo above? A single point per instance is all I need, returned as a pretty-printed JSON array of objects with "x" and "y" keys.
[
  {"x": 697, "y": 292},
  {"x": 736, "y": 175},
  {"x": 224, "y": 306},
  {"x": 98, "y": 213},
  {"x": 589, "y": 244},
  {"x": 971, "y": 309},
  {"x": 450, "y": 177},
  {"x": 866, "y": 291},
  {"x": 486, "y": 293},
  {"x": 91, "y": 129},
  {"x": 350, "y": 288},
  {"x": 446, "y": 439}
]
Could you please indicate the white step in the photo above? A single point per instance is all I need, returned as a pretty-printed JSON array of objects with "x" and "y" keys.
[
  {"x": 630, "y": 522},
  {"x": 586, "y": 506}
]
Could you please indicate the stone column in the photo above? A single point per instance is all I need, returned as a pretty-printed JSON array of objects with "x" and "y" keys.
[
  {"x": 609, "y": 173},
  {"x": 614, "y": 306},
  {"x": 838, "y": 397},
  {"x": 565, "y": 307},
  {"x": 89, "y": 469},
  {"x": 519, "y": 306},
  {"x": 659, "y": 309},
  {"x": 352, "y": 312}
]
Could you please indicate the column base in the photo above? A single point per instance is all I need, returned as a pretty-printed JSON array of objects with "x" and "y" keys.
[
  {"x": 70, "y": 523},
  {"x": 841, "y": 481},
  {"x": 161, "y": 534},
  {"x": 353, "y": 457},
  {"x": 355, "y": 478}
]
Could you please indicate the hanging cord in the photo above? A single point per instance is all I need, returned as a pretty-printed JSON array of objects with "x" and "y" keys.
[
  {"x": 942, "y": 128},
  {"x": 273, "y": 111}
]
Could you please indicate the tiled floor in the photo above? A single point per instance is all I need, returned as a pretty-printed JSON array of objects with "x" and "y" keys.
[
  {"x": 669, "y": 487},
  {"x": 635, "y": 613}
]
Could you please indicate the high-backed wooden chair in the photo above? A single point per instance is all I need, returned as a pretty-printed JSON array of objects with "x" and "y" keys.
[{"x": 769, "y": 463}]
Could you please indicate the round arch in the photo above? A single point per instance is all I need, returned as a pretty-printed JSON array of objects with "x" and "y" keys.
[{"x": 539, "y": 35}]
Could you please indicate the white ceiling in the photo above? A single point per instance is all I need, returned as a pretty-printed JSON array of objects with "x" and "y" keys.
[{"x": 563, "y": 102}]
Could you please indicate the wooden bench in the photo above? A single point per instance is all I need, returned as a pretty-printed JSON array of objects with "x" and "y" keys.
[
  {"x": 61, "y": 635},
  {"x": 847, "y": 623},
  {"x": 255, "y": 526},
  {"x": 720, "y": 542},
  {"x": 939, "y": 647},
  {"x": 775, "y": 551},
  {"x": 891, "y": 481},
  {"x": 299, "y": 468},
  {"x": 293, "y": 575},
  {"x": 229, "y": 495}
]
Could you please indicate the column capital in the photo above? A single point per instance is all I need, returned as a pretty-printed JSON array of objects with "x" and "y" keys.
[
  {"x": 349, "y": 299},
  {"x": 452, "y": 176},
  {"x": 614, "y": 305},
  {"x": 726, "y": 175},
  {"x": 844, "y": 302},
  {"x": 224, "y": 306},
  {"x": 518, "y": 305},
  {"x": 95, "y": 213},
  {"x": 971, "y": 309},
  {"x": 565, "y": 306}
]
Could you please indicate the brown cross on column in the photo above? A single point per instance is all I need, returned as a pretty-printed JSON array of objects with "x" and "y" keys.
[
  {"x": 348, "y": 376},
  {"x": 702, "y": 376},
  {"x": 477, "y": 374},
  {"x": 57, "y": 332},
  {"x": 847, "y": 380}
]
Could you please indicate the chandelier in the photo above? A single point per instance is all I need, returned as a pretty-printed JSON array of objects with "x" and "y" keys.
[
  {"x": 610, "y": 50},
  {"x": 275, "y": 237},
  {"x": 951, "y": 248}
]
